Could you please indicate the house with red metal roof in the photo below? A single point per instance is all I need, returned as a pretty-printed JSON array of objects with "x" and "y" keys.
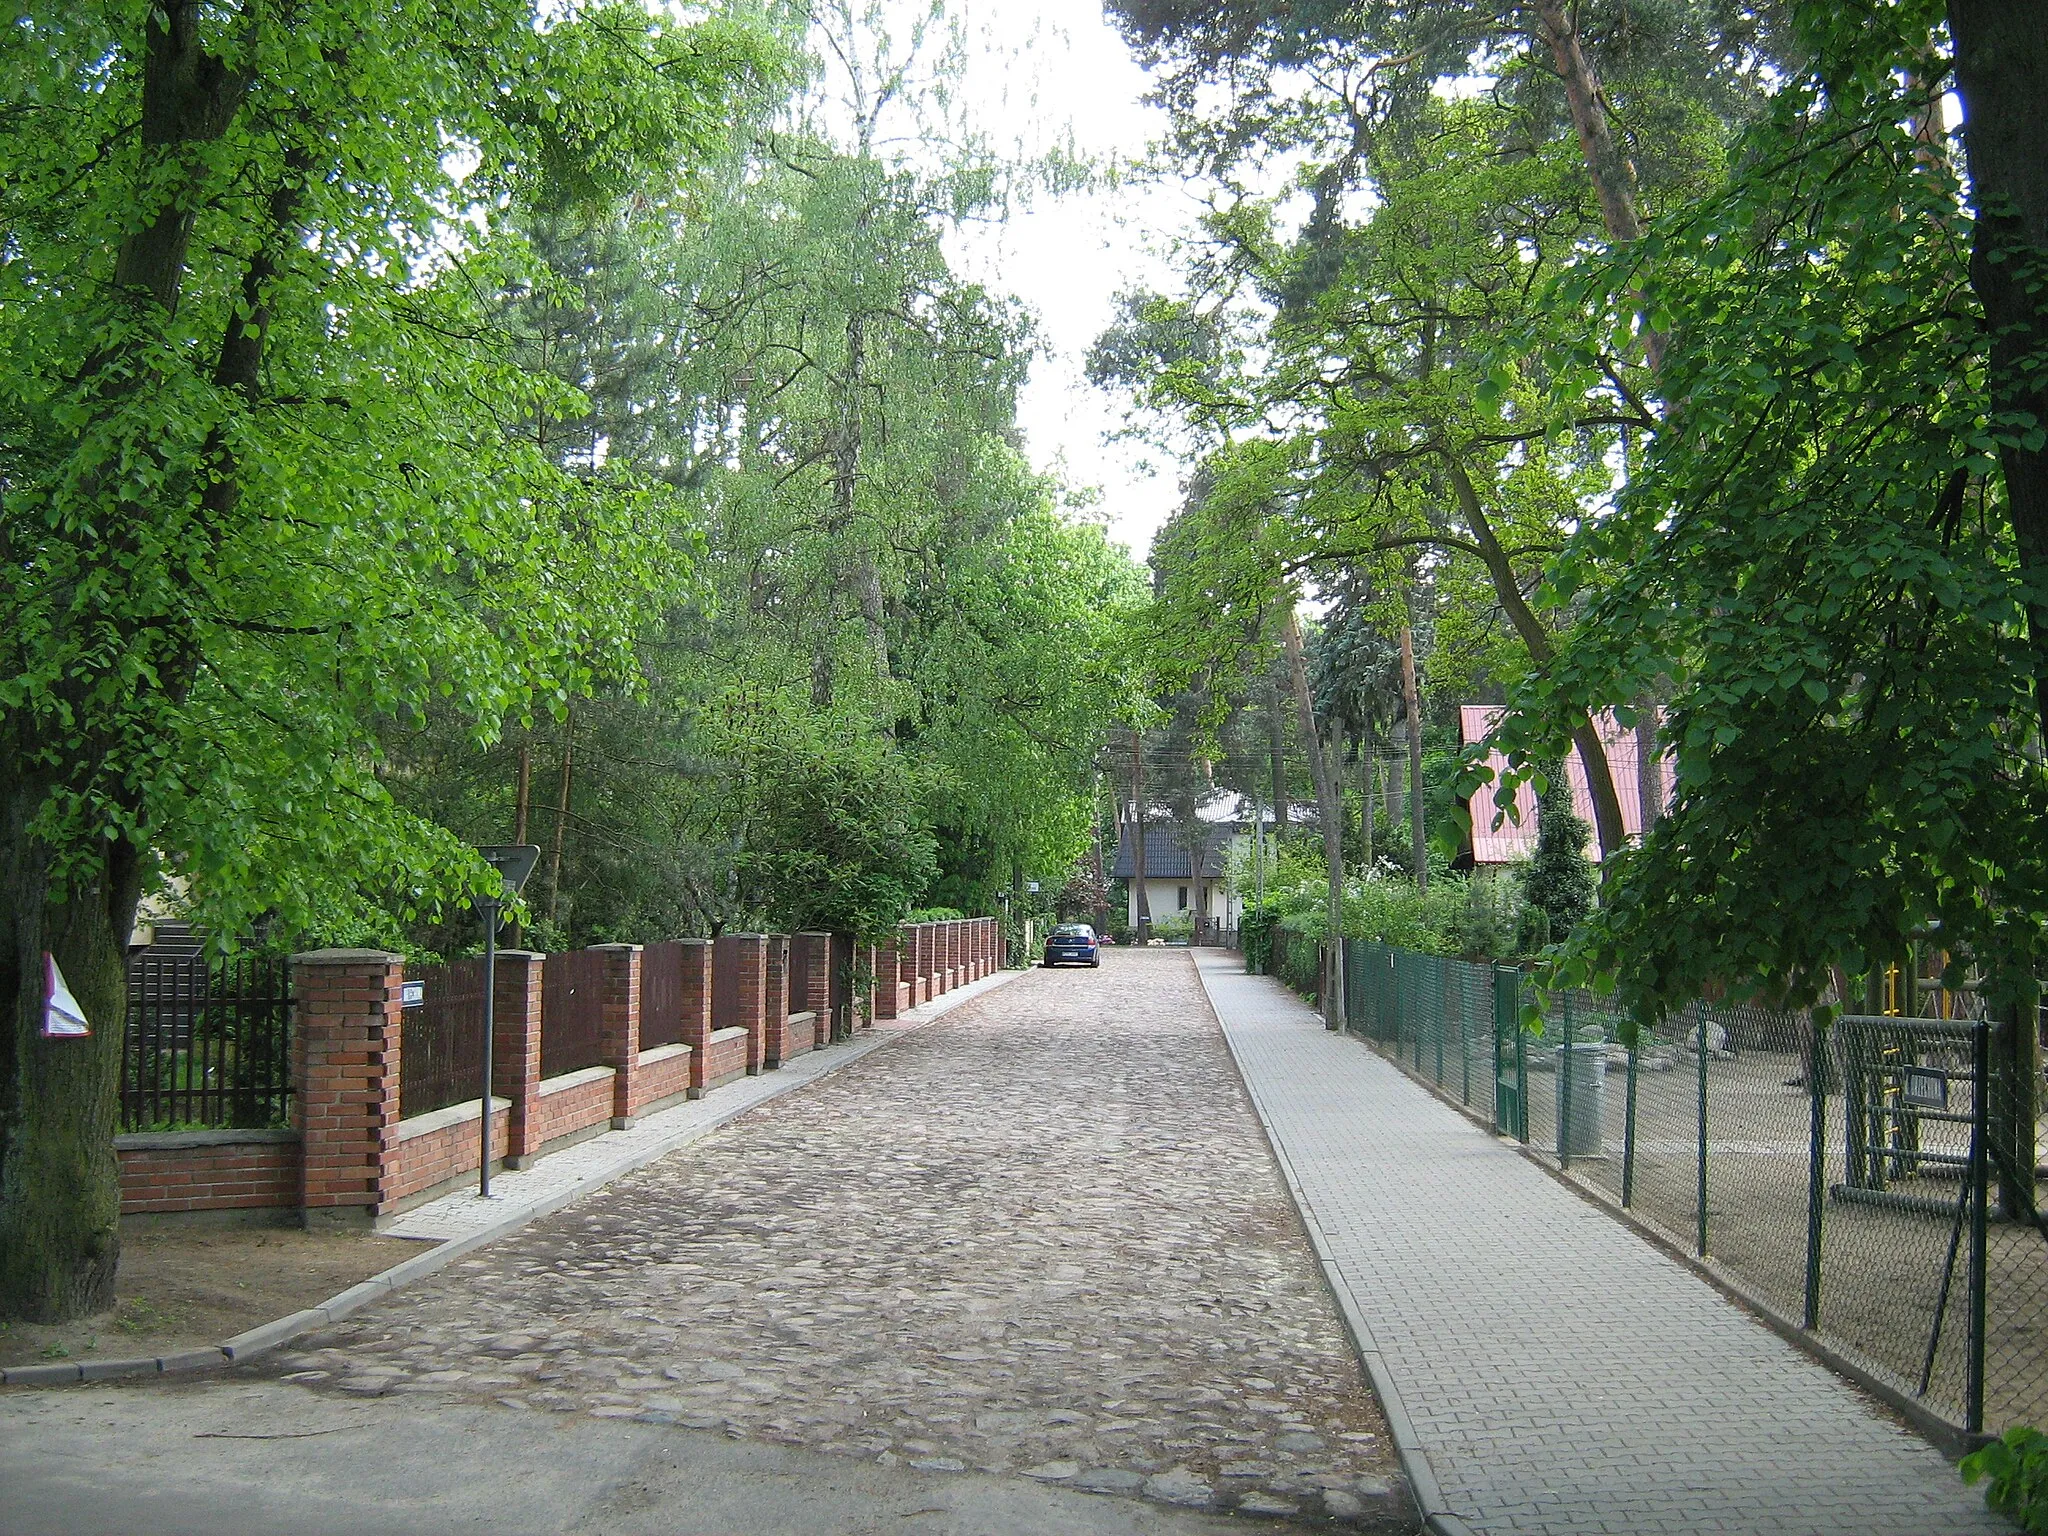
[{"x": 1500, "y": 839}]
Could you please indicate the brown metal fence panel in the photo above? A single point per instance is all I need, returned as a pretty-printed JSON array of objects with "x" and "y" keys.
[
  {"x": 841, "y": 992},
  {"x": 206, "y": 1043},
  {"x": 661, "y": 995},
  {"x": 572, "y": 1012},
  {"x": 441, "y": 1038},
  {"x": 799, "y": 974},
  {"x": 725, "y": 982}
]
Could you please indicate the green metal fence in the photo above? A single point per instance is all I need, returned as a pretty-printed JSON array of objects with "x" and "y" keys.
[{"x": 1871, "y": 1182}]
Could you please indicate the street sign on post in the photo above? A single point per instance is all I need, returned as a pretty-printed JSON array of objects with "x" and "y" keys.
[{"x": 513, "y": 862}]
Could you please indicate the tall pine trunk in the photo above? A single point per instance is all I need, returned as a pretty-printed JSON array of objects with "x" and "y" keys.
[{"x": 1330, "y": 807}]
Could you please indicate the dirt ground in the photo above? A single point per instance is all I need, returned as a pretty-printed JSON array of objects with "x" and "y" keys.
[{"x": 187, "y": 1287}]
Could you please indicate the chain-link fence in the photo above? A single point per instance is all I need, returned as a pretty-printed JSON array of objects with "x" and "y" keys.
[{"x": 1872, "y": 1182}]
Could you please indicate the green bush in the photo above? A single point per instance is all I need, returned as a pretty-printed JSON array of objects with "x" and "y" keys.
[
  {"x": 1255, "y": 935},
  {"x": 2017, "y": 1465},
  {"x": 1178, "y": 929}
]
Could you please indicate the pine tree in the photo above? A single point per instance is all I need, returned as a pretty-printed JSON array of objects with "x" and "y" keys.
[{"x": 1559, "y": 880}]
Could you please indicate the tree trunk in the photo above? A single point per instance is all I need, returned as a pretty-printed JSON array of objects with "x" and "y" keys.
[
  {"x": 2002, "y": 70},
  {"x": 1411, "y": 699},
  {"x": 60, "y": 1191},
  {"x": 561, "y": 818},
  {"x": 1276, "y": 736},
  {"x": 1612, "y": 173},
  {"x": 60, "y": 1185},
  {"x": 1330, "y": 807},
  {"x": 1365, "y": 786},
  {"x": 1649, "y": 765},
  {"x": 1607, "y": 820}
]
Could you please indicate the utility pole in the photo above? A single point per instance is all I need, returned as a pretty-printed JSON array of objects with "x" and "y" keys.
[
  {"x": 1138, "y": 835},
  {"x": 1411, "y": 699}
]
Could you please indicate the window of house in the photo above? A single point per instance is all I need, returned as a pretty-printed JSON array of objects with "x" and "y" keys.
[{"x": 1183, "y": 898}]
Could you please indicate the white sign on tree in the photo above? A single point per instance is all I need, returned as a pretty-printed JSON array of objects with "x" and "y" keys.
[{"x": 63, "y": 1018}]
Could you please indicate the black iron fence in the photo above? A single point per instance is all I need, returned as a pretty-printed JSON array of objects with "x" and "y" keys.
[
  {"x": 1871, "y": 1181},
  {"x": 207, "y": 1042}
]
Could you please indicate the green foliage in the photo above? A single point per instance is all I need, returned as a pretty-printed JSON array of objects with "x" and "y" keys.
[
  {"x": 825, "y": 817},
  {"x": 1255, "y": 937},
  {"x": 259, "y": 495},
  {"x": 1559, "y": 881},
  {"x": 1818, "y": 560},
  {"x": 1179, "y": 928},
  {"x": 2016, "y": 1467},
  {"x": 1490, "y": 928}
]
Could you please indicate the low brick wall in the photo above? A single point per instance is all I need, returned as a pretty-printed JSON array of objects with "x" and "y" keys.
[
  {"x": 663, "y": 1078},
  {"x": 431, "y": 1152},
  {"x": 725, "y": 1057},
  {"x": 800, "y": 1034},
  {"x": 166, "y": 1172},
  {"x": 571, "y": 1104}
]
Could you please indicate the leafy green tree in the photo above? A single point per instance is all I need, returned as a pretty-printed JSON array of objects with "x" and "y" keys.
[
  {"x": 1823, "y": 561},
  {"x": 258, "y": 491}
]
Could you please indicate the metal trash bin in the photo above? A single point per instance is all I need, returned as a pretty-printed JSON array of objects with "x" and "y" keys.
[{"x": 1581, "y": 1070}]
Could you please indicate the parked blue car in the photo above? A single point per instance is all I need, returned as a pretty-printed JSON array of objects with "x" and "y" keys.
[{"x": 1072, "y": 944}]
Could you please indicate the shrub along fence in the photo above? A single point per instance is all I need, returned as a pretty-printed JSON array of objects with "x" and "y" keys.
[
  {"x": 1870, "y": 1184},
  {"x": 374, "y": 1102}
]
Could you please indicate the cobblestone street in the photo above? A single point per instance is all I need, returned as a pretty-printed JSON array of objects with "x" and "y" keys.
[{"x": 1041, "y": 1236}]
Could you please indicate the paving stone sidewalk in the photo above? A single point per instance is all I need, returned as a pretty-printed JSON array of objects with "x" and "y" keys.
[
  {"x": 1560, "y": 1373},
  {"x": 1042, "y": 1236}
]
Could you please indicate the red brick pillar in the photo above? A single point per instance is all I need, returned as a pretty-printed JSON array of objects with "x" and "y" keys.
[
  {"x": 942, "y": 960},
  {"x": 775, "y": 1042},
  {"x": 888, "y": 989},
  {"x": 619, "y": 1025},
  {"x": 696, "y": 990},
  {"x": 956, "y": 962},
  {"x": 751, "y": 950},
  {"x": 816, "y": 997},
  {"x": 515, "y": 1050},
  {"x": 906, "y": 967},
  {"x": 345, "y": 1058},
  {"x": 980, "y": 948}
]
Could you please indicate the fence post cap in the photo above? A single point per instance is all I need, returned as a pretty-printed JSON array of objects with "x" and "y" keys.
[
  {"x": 517, "y": 954},
  {"x": 629, "y": 948},
  {"x": 691, "y": 941},
  {"x": 347, "y": 957}
]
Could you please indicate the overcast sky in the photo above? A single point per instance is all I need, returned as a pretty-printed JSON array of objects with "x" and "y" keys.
[{"x": 1068, "y": 259}]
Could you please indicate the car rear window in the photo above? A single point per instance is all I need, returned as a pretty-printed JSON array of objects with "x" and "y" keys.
[{"x": 1073, "y": 931}]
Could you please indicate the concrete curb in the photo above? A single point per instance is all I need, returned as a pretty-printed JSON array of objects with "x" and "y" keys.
[
  {"x": 260, "y": 1341},
  {"x": 1437, "y": 1515}
]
